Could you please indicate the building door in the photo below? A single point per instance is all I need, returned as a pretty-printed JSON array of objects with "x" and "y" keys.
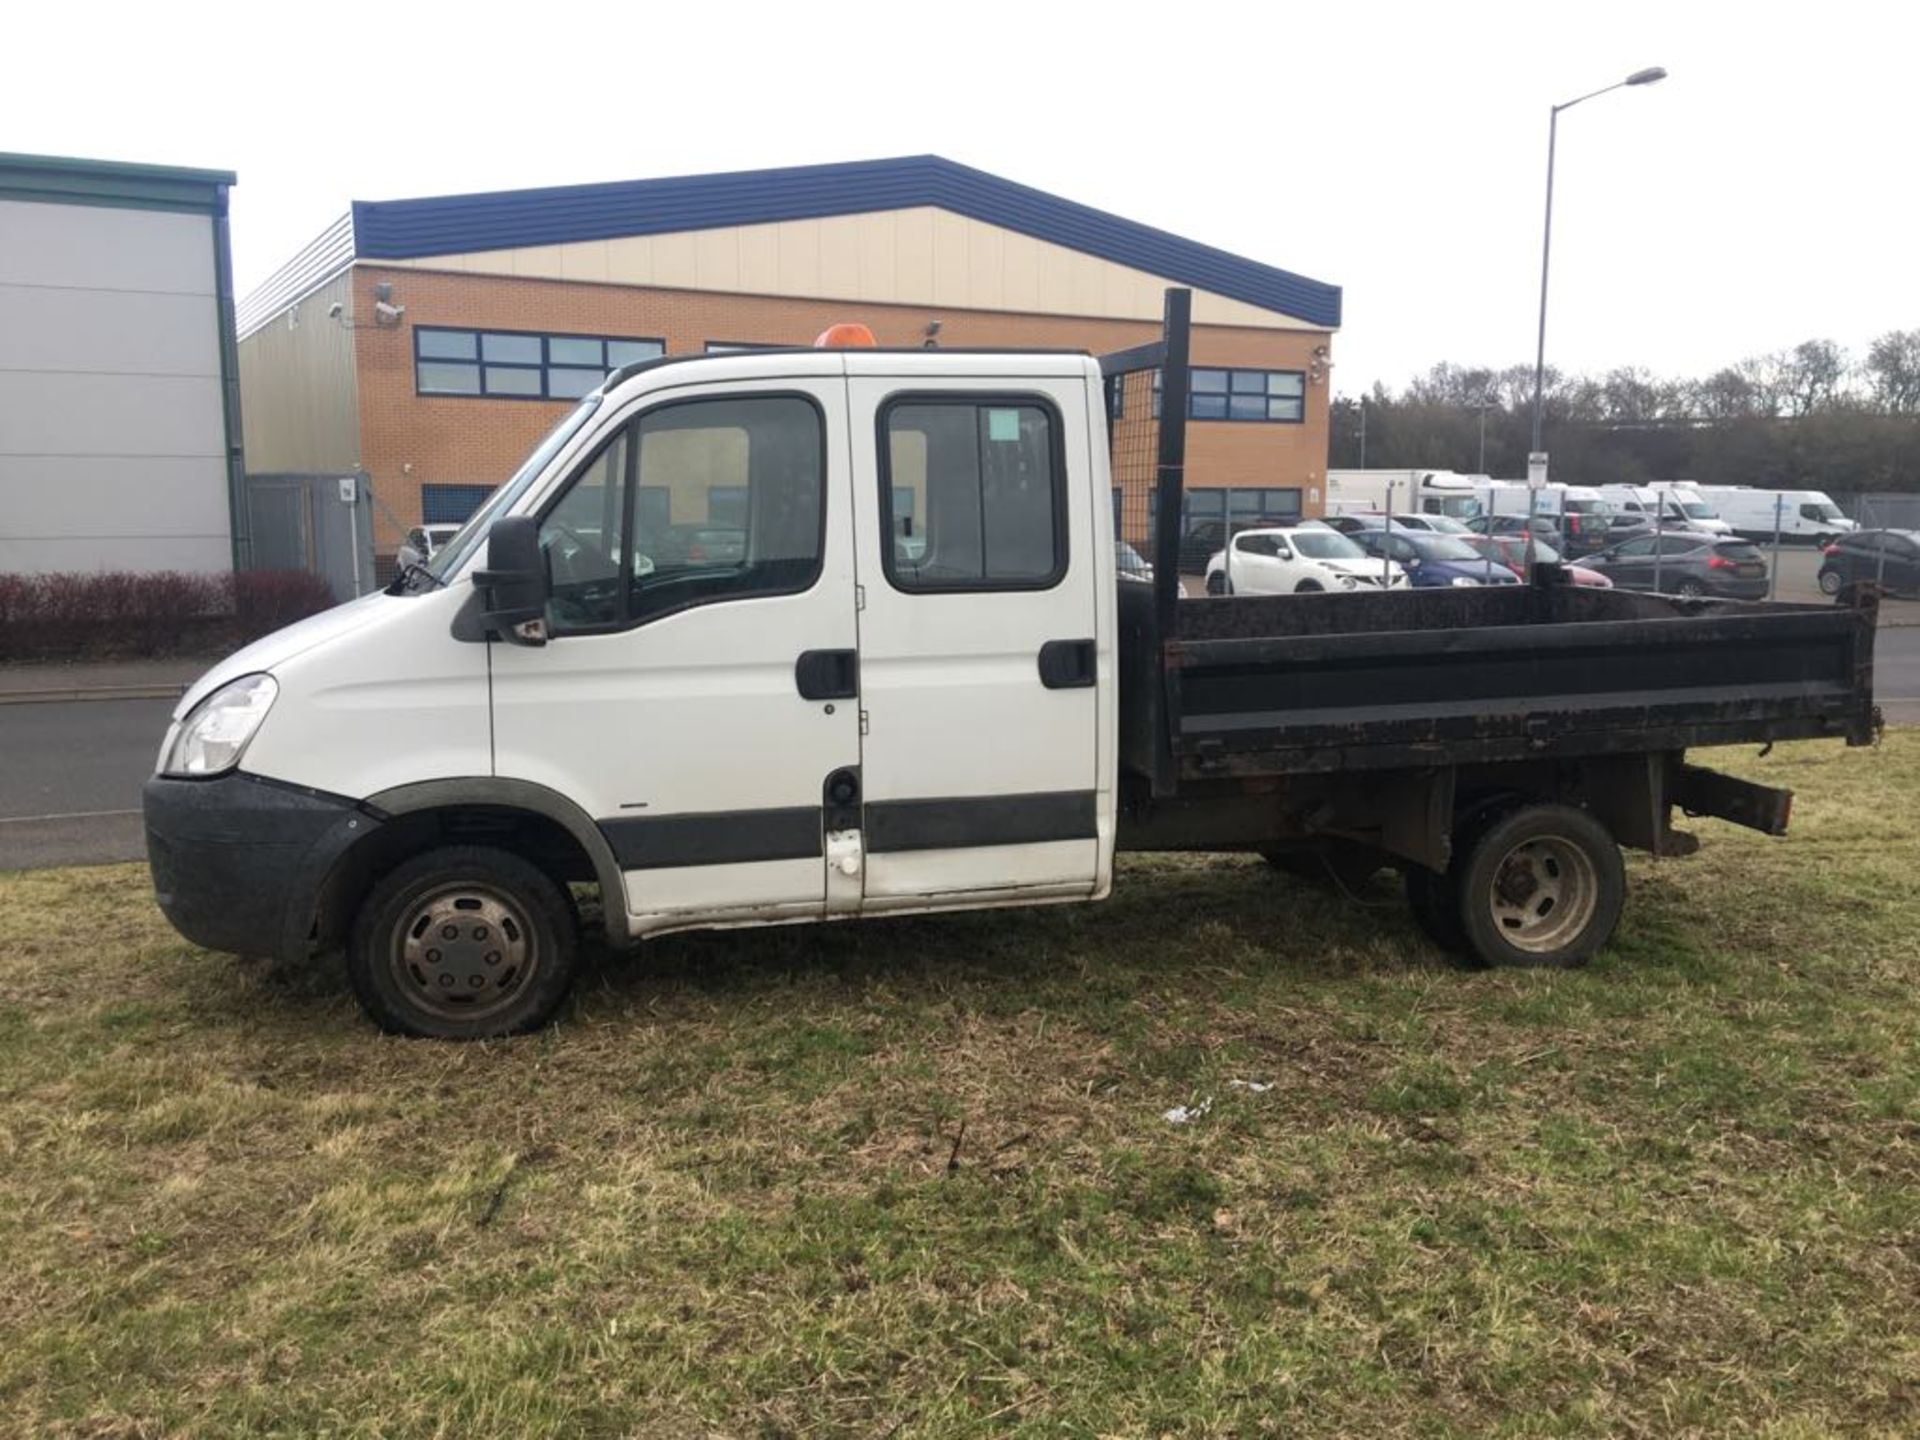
[
  {"x": 979, "y": 640},
  {"x": 702, "y": 564}
]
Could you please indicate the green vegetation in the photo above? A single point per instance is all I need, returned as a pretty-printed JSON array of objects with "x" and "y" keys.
[{"x": 912, "y": 1178}]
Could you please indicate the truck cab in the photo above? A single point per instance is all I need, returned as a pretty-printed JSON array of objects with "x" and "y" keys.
[{"x": 834, "y": 713}]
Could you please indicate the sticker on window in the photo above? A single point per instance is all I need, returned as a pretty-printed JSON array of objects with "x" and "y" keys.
[{"x": 1003, "y": 425}]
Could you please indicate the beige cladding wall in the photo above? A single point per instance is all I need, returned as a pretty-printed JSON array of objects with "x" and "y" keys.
[
  {"x": 920, "y": 256},
  {"x": 299, "y": 405}
]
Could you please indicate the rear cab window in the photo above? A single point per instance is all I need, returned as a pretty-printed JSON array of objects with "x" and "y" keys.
[{"x": 972, "y": 493}]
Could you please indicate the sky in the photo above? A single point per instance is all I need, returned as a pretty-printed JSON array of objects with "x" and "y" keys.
[{"x": 1762, "y": 195}]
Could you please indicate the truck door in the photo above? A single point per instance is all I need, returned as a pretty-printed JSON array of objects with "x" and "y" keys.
[
  {"x": 982, "y": 663},
  {"x": 702, "y": 564}
]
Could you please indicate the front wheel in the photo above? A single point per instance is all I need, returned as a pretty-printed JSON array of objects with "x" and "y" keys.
[
  {"x": 463, "y": 943},
  {"x": 1543, "y": 886},
  {"x": 1309, "y": 587}
]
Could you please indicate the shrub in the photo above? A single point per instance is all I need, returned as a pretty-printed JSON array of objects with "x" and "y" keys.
[
  {"x": 114, "y": 614},
  {"x": 265, "y": 600}
]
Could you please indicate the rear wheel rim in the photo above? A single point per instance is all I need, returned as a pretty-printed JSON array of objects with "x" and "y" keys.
[
  {"x": 1543, "y": 895},
  {"x": 463, "y": 952}
]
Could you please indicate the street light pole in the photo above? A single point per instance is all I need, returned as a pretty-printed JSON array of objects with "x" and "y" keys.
[{"x": 1639, "y": 77}]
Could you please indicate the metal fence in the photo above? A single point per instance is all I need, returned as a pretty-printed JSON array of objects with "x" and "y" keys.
[{"x": 318, "y": 523}]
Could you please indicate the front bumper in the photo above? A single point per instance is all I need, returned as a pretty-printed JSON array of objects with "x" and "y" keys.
[{"x": 238, "y": 860}]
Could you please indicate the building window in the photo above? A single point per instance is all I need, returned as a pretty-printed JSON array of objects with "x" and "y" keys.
[
  {"x": 1274, "y": 396},
  {"x": 451, "y": 504},
  {"x": 512, "y": 364},
  {"x": 986, "y": 491}
]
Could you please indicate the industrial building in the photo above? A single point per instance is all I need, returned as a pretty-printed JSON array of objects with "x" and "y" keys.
[
  {"x": 119, "y": 423},
  {"x": 427, "y": 344}
]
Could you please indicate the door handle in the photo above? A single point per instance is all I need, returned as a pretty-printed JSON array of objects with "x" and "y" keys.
[
  {"x": 827, "y": 674},
  {"x": 1067, "y": 664}
]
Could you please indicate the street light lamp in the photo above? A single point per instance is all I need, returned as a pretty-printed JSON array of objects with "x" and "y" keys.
[
  {"x": 1639, "y": 77},
  {"x": 1649, "y": 76}
]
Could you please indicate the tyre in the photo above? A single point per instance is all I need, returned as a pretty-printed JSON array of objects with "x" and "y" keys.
[
  {"x": 1830, "y": 582},
  {"x": 1690, "y": 590},
  {"x": 1435, "y": 901},
  {"x": 1542, "y": 886},
  {"x": 463, "y": 943},
  {"x": 1309, "y": 587},
  {"x": 1217, "y": 583}
]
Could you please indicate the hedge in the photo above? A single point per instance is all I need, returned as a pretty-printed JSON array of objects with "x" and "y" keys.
[{"x": 115, "y": 614}]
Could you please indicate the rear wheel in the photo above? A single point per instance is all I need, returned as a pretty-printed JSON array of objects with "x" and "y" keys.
[
  {"x": 1690, "y": 590},
  {"x": 1542, "y": 886},
  {"x": 1830, "y": 582},
  {"x": 463, "y": 943}
]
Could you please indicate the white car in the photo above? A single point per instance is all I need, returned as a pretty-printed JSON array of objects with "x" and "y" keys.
[
  {"x": 1298, "y": 562},
  {"x": 423, "y": 542}
]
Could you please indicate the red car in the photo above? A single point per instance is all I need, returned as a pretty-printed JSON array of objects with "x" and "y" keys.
[{"x": 1511, "y": 551}]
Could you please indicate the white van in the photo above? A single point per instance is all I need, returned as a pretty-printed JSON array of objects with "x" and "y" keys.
[
  {"x": 1429, "y": 492},
  {"x": 1670, "y": 505},
  {"x": 1794, "y": 514}
]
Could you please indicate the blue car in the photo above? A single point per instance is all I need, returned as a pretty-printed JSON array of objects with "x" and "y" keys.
[{"x": 1433, "y": 561}]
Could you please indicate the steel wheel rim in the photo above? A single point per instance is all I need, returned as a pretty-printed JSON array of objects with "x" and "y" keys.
[
  {"x": 1543, "y": 895},
  {"x": 463, "y": 952}
]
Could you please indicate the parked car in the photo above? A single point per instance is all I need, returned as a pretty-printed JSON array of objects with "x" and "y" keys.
[
  {"x": 1298, "y": 561},
  {"x": 1887, "y": 558},
  {"x": 423, "y": 542},
  {"x": 700, "y": 545},
  {"x": 1688, "y": 562},
  {"x": 1200, "y": 541},
  {"x": 1129, "y": 563},
  {"x": 1353, "y": 521},
  {"x": 1511, "y": 551},
  {"x": 1544, "y": 526},
  {"x": 1435, "y": 561},
  {"x": 1438, "y": 524}
]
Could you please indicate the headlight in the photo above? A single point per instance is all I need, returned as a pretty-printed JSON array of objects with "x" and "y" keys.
[
  {"x": 1348, "y": 581},
  {"x": 1464, "y": 580},
  {"x": 212, "y": 739}
]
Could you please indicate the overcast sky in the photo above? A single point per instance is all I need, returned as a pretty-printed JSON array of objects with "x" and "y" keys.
[{"x": 1763, "y": 194}]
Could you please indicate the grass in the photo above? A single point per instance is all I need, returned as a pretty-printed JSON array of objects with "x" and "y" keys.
[{"x": 913, "y": 1178}]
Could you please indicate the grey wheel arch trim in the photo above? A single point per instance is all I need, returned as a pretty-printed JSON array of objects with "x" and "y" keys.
[{"x": 537, "y": 799}]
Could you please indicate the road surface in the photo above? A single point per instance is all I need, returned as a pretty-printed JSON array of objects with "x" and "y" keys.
[{"x": 71, "y": 773}]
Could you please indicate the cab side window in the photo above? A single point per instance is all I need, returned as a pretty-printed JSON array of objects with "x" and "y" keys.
[
  {"x": 730, "y": 501},
  {"x": 582, "y": 537},
  {"x": 697, "y": 501},
  {"x": 984, "y": 479}
]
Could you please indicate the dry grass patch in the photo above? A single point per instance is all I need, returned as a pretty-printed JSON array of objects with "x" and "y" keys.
[{"x": 912, "y": 1177}]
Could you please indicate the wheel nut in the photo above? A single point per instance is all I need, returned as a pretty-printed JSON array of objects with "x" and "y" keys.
[
  {"x": 446, "y": 982},
  {"x": 433, "y": 957},
  {"x": 449, "y": 932},
  {"x": 493, "y": 957},
  {"x": 474, "y": 982},
  {"x": 479, "y": 932}
]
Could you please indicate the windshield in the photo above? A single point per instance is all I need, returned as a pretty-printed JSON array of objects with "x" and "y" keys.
[
  {"x": 1445, "y": 524},
  {"x": 451, "y": 556},
  {"x": 1588, "y": 507},
  {"x": 1697, "y": 510},
  {"x": 1445, "y": 547},
  {"x": 1821, "y": 510},
  {"x": 1326, "y": 545}
]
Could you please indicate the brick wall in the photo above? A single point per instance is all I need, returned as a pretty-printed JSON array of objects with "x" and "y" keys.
[{"x": 409, "y": 440}]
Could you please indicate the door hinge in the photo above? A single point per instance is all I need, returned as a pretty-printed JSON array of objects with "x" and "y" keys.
[
  {"x": 859, "y": 597},
  {"x": 863, "y": 722}
]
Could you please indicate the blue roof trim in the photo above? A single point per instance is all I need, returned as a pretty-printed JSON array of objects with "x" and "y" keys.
[{"x": 456, "y": 224}]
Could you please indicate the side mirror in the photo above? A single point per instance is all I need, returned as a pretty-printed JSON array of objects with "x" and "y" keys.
[{"x": 514, "y": 584}]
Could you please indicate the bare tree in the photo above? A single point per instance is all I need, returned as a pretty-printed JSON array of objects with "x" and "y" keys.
[{"x": 1893, "y": 372}]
